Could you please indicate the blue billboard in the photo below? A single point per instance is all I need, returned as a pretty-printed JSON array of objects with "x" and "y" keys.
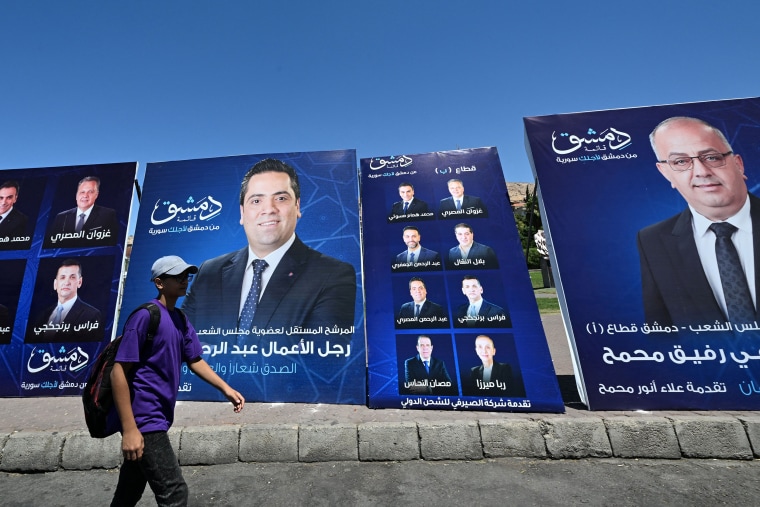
[
  {"x": 659, "y": 303},
  {"x": 452, "y": 321},
  {"x": 305, "y": 340},
  {"x": 62, "y": 239}
]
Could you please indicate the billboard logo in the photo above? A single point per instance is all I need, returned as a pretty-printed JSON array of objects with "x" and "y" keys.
[
  {"x": 204, "y": 209},
  {"x": 378, "y": 163},
  {"x": 71, "y": 360},
  {"x": 609, "y": 139}
]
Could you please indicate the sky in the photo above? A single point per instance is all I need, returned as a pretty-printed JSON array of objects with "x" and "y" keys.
[{"x": 87, "y": 82}]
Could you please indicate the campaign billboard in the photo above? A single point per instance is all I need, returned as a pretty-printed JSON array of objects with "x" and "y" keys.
[
  {"x": 452, "y": 321},
  {"x": 305, "y": 340},
  {"x": 62, "y": 238},
  {"x": 659, "y": 303}
]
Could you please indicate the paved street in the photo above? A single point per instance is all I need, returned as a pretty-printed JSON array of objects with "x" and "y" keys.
[{"x": 510, "y": 481}]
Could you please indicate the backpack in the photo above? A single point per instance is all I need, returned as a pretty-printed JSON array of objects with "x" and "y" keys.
[{"x": 97, "y": 396}]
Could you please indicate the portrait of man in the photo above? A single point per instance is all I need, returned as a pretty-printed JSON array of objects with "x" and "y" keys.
[
  {"x": 409, "y": 208},
  {"x": 87, "y": 224},
  {"x": 468, "y": 254},
  {"x": 425, "y": 374},
  {"x": 415, "y": 257},
  {"x": 478, "y": 312},
  {"x": 13, "y": 223},
  {"x": 275, "y": 281},
  {"x": 701, "y": 265},
  {"x": 492, "y": 378},
  {"x": 459, "y": 204},
  {"x": 70, "y": 319},
  {"x": 421, "y": 312}
]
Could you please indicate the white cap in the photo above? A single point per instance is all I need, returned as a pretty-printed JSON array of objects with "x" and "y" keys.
[{"x": 171, "y": 265}]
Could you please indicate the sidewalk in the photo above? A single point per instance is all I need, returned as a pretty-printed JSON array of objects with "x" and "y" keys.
[{"x": 46, "y": 434}]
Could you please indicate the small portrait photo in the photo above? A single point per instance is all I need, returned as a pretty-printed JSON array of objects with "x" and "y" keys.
[
  {"x": 489, "y": 365},
  {"x": 426, "y": 364},
  {"x": 71, "y": 301}
]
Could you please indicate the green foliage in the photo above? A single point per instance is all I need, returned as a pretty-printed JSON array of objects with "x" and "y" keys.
[{"x": 528, "y": 220}]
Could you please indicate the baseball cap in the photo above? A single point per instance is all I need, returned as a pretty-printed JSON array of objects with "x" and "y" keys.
[{"x": 171, "y": 265}]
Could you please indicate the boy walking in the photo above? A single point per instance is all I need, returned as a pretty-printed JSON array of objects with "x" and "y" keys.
[{"x": 145, "y": 382}]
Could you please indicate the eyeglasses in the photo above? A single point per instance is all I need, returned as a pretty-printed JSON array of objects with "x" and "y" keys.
[
  {"x": 711, "y": 160},
  {"x": 180, "y": 278}
]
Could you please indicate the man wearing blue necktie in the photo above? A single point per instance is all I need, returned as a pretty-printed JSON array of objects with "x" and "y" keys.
[
  {"x": 409, "y": 208},
  {"x": 459, "y": 204},
  {"x": 298, "y": 286},
  {"x": 416, "y": 257},
  {"x": 70, "y": 319},
  {"x": 421, "y": 312},
  {"x": 88, "y": 224}
]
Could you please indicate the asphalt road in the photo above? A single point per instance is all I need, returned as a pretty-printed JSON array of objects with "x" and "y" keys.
[{"x": 510, "y": 481}]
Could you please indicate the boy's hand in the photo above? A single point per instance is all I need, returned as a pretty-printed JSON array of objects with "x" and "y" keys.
[
  {"x": 236, "y": 399},
  {"x": 132, "y": 445}
]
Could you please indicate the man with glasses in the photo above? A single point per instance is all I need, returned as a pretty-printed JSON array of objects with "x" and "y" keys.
[{"x": 698, "y": 267}]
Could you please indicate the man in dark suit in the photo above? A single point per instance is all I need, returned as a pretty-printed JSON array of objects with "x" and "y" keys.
[
  {"x": 86, "y": 225},
  {"x": 459, "y": 205},
  {"x": 416, "y": 257},
  {"x": 409, "y": 208},
  {"x": 492, "y": 378},
  {"x": 424, "y": 374},
  {"x": 420, "y": 312},
  {"x": 468, "y": 254},
  {"x": 12, "y": 222},
  {"x": 70, "y": 319},
  {"x": 683, "y": 258},
  {"x": 297, "y": 285},
  {"x": 478, "y": 312}
]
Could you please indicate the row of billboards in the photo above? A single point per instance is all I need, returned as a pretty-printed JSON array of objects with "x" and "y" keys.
[{"x": 428, "y": 304}]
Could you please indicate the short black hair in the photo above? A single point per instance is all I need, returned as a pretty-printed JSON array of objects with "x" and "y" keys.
[
  {"x": 11, "y": 184},
  {"x": 416, "y": 279},
  {"x": 463, "y": 226},
  {"x": 270, "y": 165},
  {"x": 69, "y": 262}
]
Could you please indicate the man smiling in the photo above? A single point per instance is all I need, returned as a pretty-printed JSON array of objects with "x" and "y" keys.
[
  {"x": 701, "y": 265},
  {"x": 276, "y": 281},
  {"x": 92, "y": 224}
]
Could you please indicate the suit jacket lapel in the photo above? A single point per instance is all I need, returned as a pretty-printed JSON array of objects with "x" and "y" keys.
[
  {"x": 288, "y": 271},
  {"x": 232, "y": 283},
  {"x": 682, "y": 250}
]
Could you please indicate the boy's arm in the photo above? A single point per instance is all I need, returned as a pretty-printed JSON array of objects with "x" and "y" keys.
[
  {"x": 204, "y": 371},
  {"x": 131, "y": 439}
]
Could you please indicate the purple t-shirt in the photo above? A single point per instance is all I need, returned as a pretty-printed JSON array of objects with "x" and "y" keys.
[{"x": 154, "y": 379}]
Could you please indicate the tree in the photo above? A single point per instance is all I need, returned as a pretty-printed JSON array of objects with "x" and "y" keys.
[{"x": 528, "y": 220}]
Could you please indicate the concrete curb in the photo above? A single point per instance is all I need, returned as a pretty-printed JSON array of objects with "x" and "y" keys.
[{"x": 672, "y": 437}]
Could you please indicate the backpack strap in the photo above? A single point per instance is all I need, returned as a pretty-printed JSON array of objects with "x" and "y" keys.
[{"x": 155, "y": 319}]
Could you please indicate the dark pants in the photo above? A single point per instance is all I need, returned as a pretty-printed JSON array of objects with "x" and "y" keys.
[{"x": 159, "y": 468}]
